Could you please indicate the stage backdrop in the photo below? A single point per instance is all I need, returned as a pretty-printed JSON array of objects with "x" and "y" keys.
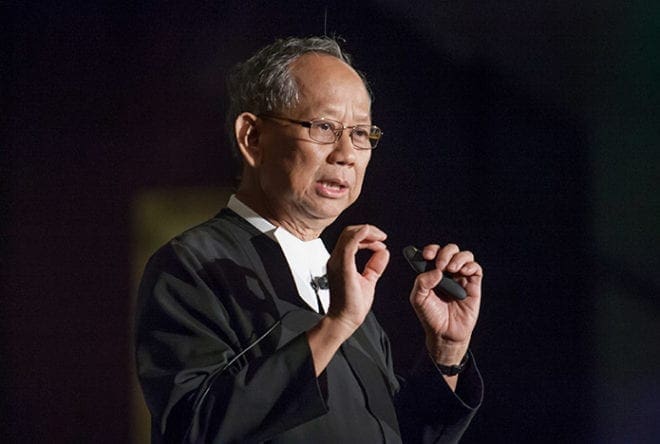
[{"x": 525, "y": 132}]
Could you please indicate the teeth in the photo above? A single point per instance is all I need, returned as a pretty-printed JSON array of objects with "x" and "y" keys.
[{"x": 332, "y": 185}]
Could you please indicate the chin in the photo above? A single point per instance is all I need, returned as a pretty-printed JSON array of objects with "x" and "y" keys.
[{"x": 331, "y": 212}]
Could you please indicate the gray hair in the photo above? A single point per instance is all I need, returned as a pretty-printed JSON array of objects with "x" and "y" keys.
[{"x": 263, "y": 83}]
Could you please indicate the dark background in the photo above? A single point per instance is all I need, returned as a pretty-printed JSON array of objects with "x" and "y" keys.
[{"x": 522, "y": 131}]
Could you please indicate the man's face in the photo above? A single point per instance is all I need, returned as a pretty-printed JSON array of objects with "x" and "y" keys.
[{"x": 304, "y": 182}]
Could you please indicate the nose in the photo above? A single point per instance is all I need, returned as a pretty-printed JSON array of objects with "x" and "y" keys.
[{"x": 343, "y": 152}]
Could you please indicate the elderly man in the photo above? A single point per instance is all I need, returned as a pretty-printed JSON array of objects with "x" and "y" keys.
[{"x": 242, "y": 338}]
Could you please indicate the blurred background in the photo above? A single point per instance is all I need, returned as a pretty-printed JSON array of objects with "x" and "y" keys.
[{"x": 526, "y": 132}]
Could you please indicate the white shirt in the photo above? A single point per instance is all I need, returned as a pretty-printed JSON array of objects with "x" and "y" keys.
[{"x": 306, "y": 259}]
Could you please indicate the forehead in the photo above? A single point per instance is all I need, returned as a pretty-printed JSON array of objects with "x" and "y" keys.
[{"x": 328, "y": 84}]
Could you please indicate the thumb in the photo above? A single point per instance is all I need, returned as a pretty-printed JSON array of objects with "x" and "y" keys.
[{"x": 376, "y": 265}]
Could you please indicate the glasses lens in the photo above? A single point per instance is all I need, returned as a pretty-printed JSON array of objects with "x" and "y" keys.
[
  {"x": 328, "y": 131},
  {"x": 374, "y": 136},
  {"x": 360, "y": 137},
  {"x": 324, "y": 131},
  {"x": 366, "y": 137}
]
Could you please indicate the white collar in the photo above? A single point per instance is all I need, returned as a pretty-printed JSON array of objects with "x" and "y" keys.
[
  {"x": 251, "y": 216},
  {"x": 306, "y": 259}
]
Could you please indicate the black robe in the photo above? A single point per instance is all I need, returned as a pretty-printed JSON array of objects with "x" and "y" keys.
[{"x": 223, "y": 357}]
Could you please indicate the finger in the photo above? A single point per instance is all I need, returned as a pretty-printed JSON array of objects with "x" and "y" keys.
[
  {"x": 372, "y": 245},
  {"x": 366, "y": 236},
  {"x": 428, "y": 280},
  {"x": 372, "y": 232},
  {"x": 445, "y": 254},
  {"x": 471, "y": 269},
  {"x": 470, "y": 279},
  {"x": 473, "y": 282},
  {"x": 376, "y": 265},
  {"x": 352, "y": 239},
  {"x": 430, "y": 251},
  {"x": 458, "y": 260},
  {"x": 354, "y": 234}
]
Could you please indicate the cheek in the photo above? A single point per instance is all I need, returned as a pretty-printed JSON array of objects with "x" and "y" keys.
[
  {"x": 361, "y": 169},
  {"x": 280, "y": 178},
  {"x": 359, "y": 179},
  {"x": 358, "y": 188},
  {"x": 302, "y": 173}
]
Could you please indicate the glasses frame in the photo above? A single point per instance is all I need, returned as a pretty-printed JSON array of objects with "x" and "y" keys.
[{"x": 338, "y": 132}]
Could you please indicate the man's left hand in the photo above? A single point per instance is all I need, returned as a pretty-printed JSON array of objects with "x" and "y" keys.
[{"x": 448, "y": 323}]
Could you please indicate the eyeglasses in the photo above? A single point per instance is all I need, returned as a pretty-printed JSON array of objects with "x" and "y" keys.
[{"x": 363, "y": 137}]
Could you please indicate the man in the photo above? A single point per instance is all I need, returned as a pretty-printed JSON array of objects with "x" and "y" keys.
[{"x": 240, "y": 336}]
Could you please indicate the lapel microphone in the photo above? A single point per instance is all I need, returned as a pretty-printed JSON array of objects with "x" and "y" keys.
[{"x": 320, "y": 282}]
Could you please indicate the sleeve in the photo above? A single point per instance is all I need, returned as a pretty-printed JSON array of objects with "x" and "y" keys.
[
  {"x": 429, "y": 411},
  {"x": 201, "y": 381}
]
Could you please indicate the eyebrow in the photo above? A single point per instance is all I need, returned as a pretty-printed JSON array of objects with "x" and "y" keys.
[{"x": 329, "y": 113}]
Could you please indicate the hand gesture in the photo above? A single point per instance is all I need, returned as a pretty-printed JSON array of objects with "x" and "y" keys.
[
  {"x": 351, "y": 290},
  {"x": 448, "y": 323}
]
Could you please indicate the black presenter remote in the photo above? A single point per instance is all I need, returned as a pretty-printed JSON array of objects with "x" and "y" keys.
[{"x": 447, "y": 285}]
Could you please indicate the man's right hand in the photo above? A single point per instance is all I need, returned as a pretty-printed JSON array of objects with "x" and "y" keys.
[{"x": 351, "y": 291}]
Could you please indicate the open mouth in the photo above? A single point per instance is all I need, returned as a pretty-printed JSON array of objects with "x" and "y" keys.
[
  {"x": 332, "y": 185},
  {"x": 332, "y": 188}
]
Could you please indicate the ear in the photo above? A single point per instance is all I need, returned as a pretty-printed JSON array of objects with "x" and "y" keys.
[{"x": 247, "y": 138}]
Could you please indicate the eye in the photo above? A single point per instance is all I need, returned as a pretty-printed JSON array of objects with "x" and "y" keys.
[
  {"x": 324, "y": 126},
  {"x": 361, "y": 132}
]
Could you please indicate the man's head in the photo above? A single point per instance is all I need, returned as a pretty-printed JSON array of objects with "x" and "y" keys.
[
  {"x": 292, "y": 174},
  {"x": 263, "y": 83}
]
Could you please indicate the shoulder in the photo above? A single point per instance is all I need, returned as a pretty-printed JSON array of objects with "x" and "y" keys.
[
  {"x": 221, "y": 236},
  {"x": 226, "y": 235}
]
